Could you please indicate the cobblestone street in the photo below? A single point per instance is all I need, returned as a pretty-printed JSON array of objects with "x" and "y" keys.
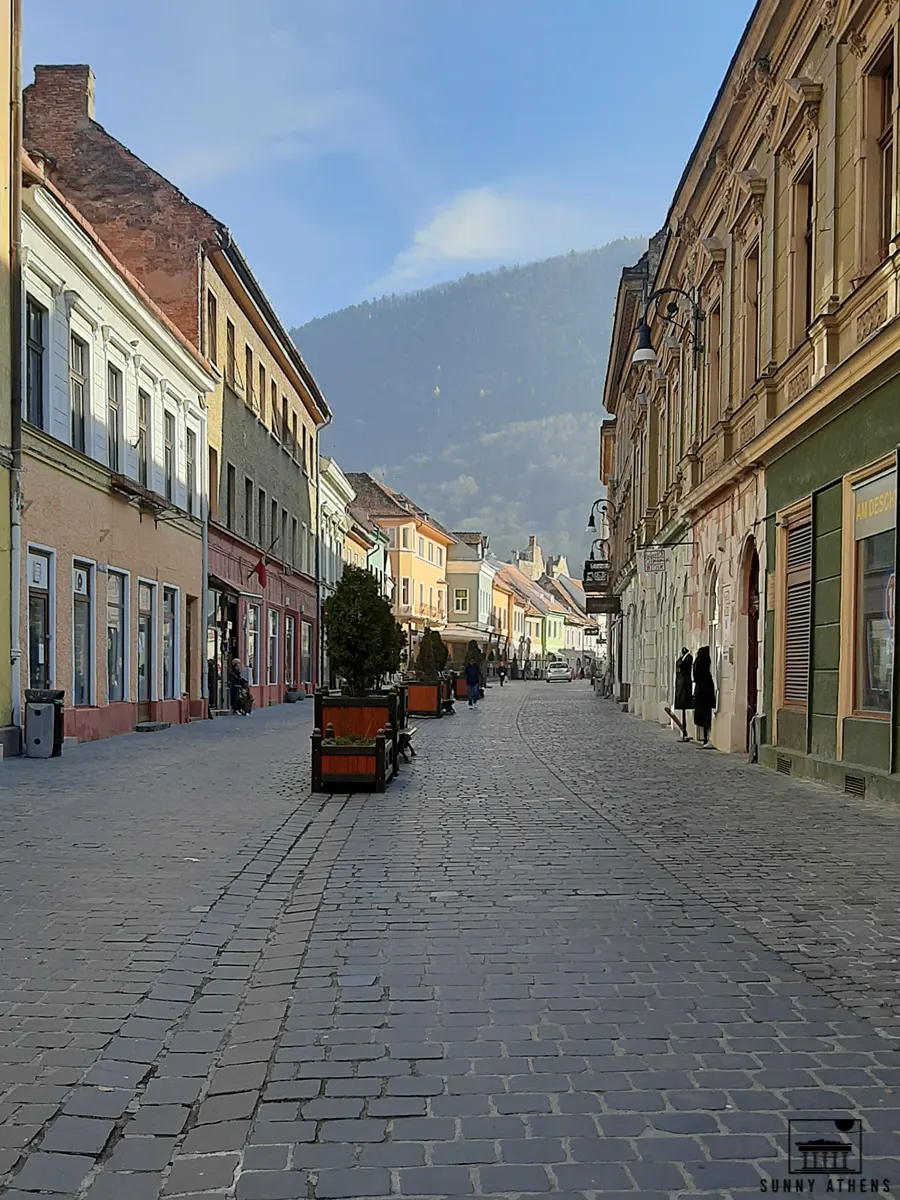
[{"x": 564, "y": 954}]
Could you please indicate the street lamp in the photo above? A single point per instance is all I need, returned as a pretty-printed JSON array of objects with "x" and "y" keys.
[
  {"x": 644, "y": 351},
  {"x": 599, "y": 507}
]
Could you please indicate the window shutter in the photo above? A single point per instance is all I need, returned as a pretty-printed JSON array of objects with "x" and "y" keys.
[{"x": 798, "y": 615}]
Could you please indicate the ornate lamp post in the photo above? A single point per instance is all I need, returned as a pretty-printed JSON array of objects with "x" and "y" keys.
[{"x": 691, "y": 324}]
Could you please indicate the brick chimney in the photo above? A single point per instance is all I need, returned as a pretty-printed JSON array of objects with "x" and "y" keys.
[{"x": 57, "y": 106}]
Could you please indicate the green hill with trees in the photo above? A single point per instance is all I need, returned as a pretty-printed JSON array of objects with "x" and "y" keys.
[{"x": 481, "y": 398}]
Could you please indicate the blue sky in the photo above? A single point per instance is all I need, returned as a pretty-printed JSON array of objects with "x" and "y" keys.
[{"x": 362, "y": 146}]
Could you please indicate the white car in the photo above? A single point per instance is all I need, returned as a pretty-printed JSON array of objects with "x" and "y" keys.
[{"x": 557, "y": 671}]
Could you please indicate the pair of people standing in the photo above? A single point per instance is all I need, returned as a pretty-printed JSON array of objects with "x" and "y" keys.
[{"x": 694, "y": 688}]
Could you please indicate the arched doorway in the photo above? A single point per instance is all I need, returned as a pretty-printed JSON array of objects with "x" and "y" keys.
[{"x": 752, "y": 607}]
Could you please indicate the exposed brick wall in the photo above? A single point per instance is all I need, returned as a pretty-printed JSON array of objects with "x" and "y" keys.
[{"x": 151, "y": 227}]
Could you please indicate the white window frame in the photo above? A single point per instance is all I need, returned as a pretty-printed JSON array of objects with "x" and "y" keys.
[
  {"x": 421, "y": 547},
  {"x": 79, "y": 561},
  {"x": 125, "y": 576},
  {"x": 49, "y": 553},
  {"x": 253, "y": 665},
  {"x": 156, "y": 664},
  {"x": 79, "y": 328},
  {"x": 176, "y": 670},
  {"x": 273, "y": 612},
  {"x": 405, "y": 591},
  {"x": 44, "y": 296},
  {"x": 464, "y": 607}
]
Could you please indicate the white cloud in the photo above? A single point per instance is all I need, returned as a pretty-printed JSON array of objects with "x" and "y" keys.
[{"x": 490, "y": 225}]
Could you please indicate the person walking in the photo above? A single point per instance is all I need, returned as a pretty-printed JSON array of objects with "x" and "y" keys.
[
  {"x": 473, "y": 679},
  {"x": 501, "y": 672},
  {"x": 236, "y": 687},
  {"x": 684, "y": 696},
  {"x": 704, "y": 693}
]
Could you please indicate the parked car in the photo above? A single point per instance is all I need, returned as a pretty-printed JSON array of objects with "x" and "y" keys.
[{"x": 556, "y": 671}]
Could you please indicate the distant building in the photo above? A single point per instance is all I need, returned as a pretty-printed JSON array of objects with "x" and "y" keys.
[
  {"x": 529, "y": 561},
  {"x": 470, "y": 581}
]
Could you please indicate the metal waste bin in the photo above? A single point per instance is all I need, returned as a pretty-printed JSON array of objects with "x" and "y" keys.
[{"x": 44, "y": 722}]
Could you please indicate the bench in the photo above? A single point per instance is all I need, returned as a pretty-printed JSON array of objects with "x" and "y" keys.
[{"x": 404, "y": 742}]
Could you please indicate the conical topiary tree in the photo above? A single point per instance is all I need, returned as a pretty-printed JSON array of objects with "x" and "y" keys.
[
  {"x": 433, "y": 654},
  {"x": 364, "y": 640}
]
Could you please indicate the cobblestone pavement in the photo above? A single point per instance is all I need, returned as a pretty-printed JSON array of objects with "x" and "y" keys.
[{"x": 564, "y": 954}]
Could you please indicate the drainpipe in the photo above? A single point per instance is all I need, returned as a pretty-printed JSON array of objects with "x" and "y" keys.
[
  {"x": 16, "y": 366},
  {"x": 204, "y": 475}
]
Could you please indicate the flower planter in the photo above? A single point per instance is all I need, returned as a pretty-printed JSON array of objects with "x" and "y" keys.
[
  {"x": 356, "y": 768},
  {"x": 426, "y": 698},
  {"x": 292, "y": 696},
  {"x": 360, "y": 716}
]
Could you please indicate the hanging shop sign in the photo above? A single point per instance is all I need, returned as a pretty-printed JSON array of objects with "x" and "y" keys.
[
  {"x": 653, "y": 560},
  {"x": 596, "y": 575},
  {"x": 603, "y": 604}
]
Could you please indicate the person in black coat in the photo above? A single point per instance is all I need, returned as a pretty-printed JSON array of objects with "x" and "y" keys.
[
  {"x": 704, "y": 693},
  {"x": 684, "y": 693}
]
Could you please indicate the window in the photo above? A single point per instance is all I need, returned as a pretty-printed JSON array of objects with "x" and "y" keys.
[
  {"x": 392, "y": 537},
  {"x": 803, "y": 252},
  {"x": 886, "y": 152},
  {"x": 713, "y": 369},
  {"x": 404, "y": 592},
  {"x": 213, "y": 484},
  {"x": 306, "y": 564},
  {"x": 116, "y": 637},
  {"x": 431, "y": 598},
  {"x": 146, "y": 649},
  {"x": 798, "y": 613},
  {"x": 421, "y": 595},
  {"x": 296, "y": 434},
  {"x": 421, "y": 547},
  {"x": 230, "y": 354},
  {"x": 406, "y": 540},
  {"x": 169, "y": 458},
  {"x": 248, "y": 377},
  {"x": 304, "y": 450},
  {"x": 36, "y": 318},
  {"x": 248, "y": 509},
  {"x": 273, "y": 646},
  {"x": 713, "y": 623},
  {"x": 431, "y": 551},
  {"x": 261, "y": 516},
  {"x": 82, "y": 641},
  {"x": 78, "y": 371},
  {"x": 273, "y": 526},
  {"x": 295, "y": 549},
  {"x": 170, "y": 643},
  {"x": 751, "y": 307},
  {"x": 253, "y": 642},
  {"x": 290, "y": 650},
  {"x": 306, "y": 664},
  {"x": 114, "y": 416},
  {"x": 440, "y": 554},
  {"x": 875, "y": 515},
  {"x": 143, "y": 446},
  {"x": 212, "y": 329},
  {"x": 40, "y": 621},
  {"x": 191, "y": 467},
  {"x": 285, "y": 544},
  {"x": 230, "y": 496},
  {"x": 275, "y": 408},
  {"x": 285, "y": 422}
]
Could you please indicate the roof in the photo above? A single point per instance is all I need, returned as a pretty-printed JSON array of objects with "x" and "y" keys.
[
  {"x": 35, "y": 174},
  {"x": 379, "y": 500},
  {"x": 471, "y": 539},
  {"x": 527, "y": 589},
  {"x": 563, "y": 600}
]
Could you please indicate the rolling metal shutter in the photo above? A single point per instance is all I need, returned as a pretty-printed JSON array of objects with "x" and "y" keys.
[{"x": 798, "y": 615}]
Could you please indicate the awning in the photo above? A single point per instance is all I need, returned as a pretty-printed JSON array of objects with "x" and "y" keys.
[
  {"x": 222, "y": 585},
  {"x": 458, "y": 633}
]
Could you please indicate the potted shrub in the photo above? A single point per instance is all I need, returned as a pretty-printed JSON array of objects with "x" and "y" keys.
[
  {"x": 429, "y": 692},
  {"x": 364, "y": 644}
]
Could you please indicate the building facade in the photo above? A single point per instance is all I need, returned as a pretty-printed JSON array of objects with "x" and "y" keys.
[
  {"x": 261, "y": 603},
  {"x": 113, "y": 483},
  {"x": 335, "y": 497},
  {"x": 753, "y": 484},
  {"x": 10, "y": 331},
  {"x": 471, "y": 615}
]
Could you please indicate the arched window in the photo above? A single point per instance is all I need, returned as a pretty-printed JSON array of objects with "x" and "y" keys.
[{"x": 712, "y": 621}]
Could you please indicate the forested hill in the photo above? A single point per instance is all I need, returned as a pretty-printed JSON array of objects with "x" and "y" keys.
[{"x": 480, "y": 398}]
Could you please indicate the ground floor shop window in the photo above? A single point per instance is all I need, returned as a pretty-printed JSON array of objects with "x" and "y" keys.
[
  {"x": 875, "y": 507},
  {"x": 253, "y": 642},
  {"x": 40, "y": 628},
  {"x": 146, "y": 648},
  {"x": 273, "y": 646},
  {"x": 306, "y": 665},
  {"x": 116, "y": 637},
  {"x": 170, "y": 643},
  {"x": 290, "y": 649},
  {"x": 82, "y": 639}
]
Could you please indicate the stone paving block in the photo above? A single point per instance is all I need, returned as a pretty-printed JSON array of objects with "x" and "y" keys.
[
  {"x": 272, "y": 1185},
  {"x": 361, "y": 1181},
  {"x": 77, "y": 1135},
  {"x": 141, "y": 1154},
  {"x": 109, "y": 1186},
  {"x": 495, "y": 1180},
  {"x": 45, "y": 1172},
  {"x": 435, "y": 1181},
  {"x": 201, "y": 1174}
]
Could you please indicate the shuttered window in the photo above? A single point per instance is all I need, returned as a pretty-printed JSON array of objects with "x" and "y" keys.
[{"x": 798, "y": 614}]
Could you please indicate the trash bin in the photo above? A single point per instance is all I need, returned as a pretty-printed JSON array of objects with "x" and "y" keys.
[{"x": 44, "y": 722}]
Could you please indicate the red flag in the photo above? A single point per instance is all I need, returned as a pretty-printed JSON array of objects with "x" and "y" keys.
[{"x": 260, "y": 572}]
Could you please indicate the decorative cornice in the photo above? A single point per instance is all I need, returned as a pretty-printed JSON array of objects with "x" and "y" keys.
[
  {"x": 828, "y": 17},
  {"x": 857, "y": 41}
]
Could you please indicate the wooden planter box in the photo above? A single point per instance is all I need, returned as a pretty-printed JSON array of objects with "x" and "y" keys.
[
  {"x": 426, "y": 699},
  {"x": 360, "y": 716},
  {"x": 353, "y": 768}
]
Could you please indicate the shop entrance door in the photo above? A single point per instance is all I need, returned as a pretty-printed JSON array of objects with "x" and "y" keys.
[
  {"x": 752, "y": 641},
  {"x": 146, "y": 651}
]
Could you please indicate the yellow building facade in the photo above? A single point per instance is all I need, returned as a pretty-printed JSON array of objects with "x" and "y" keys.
[{"x": 10, "y": 84}]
